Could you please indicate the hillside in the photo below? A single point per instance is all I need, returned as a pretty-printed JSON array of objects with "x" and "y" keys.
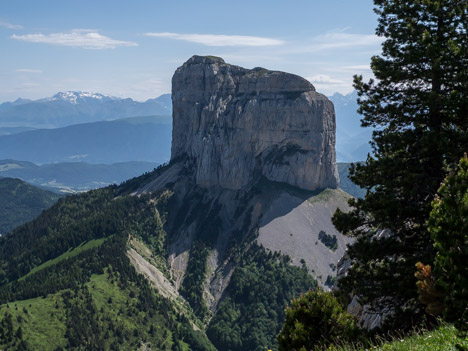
[
  {"x": 130, "y": 139},
  {"x": 346, "y": 184},
  {"x": 21, "y": 202},
  {"x": 69, "y": 177},
  {"x": 52, "y": 273},
  {"x": 72, "y": 107}
]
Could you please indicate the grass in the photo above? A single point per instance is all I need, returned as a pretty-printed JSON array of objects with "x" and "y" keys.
[
  {"x": 70, "y": 253},
  {"x": 42, "y": 323},
  {"x": 328, "y": 194},
  {"x": 445, "y": 338}
]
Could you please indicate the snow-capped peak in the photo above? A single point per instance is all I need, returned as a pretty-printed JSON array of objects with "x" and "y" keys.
[{"x": 75, "y": 96}]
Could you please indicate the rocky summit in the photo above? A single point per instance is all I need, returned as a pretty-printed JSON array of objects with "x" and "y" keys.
[
  {"x": 252, "y": 152},
  {"x": 238, "y": 124}
]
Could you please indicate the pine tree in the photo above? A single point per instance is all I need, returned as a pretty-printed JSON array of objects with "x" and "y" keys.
[
  {"x": 418, "y": 105},
  {"x": 448, "y": 226}
]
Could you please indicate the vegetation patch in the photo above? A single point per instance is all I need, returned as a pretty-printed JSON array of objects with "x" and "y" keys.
[
  {"x": 251, "y": 315},
  {"x": 328, "y": 240},
  {"x": 444, "y": 338},
  {"x": 69, "y": 254}
]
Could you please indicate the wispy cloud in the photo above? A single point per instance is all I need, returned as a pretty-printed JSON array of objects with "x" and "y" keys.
[
  {"x": 329, "y": 85},
  {"x": 28, "y": 70},
  {"x": 82, "y": 38},
  {"x": 323, "y": 78},
  {"x": 341, "y": 39},
  {"x": 220, "y": 40},
  {"x": 10, "y": 26}
]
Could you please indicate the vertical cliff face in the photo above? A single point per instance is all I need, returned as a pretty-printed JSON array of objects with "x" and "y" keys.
[{"x": 238, "y": 125}]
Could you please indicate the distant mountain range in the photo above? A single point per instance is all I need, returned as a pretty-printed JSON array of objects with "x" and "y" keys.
[
  {"x": 21, "y": 202},
  {"x": 73, "y": 176},
  {"x": 72, "y": 107},
  {"x": 352, "y": 140},
  {"x": 129, "y": 139}
]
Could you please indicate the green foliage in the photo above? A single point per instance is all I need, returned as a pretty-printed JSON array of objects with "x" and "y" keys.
[
  {"x": 418, "y": 107},
  {"x": 21, "y": 202},
  {"x": 193, "y": 284},
  {"x": 449, "y": 229},
  {"x": 251, "y": 315},
  {"x": 77, "y": 280},
  {"x": 206, "y": 215},
  {"x": 328, "y": 240},
  {"x": 83, "y": 318},
  {"x": 315, "y": 320}
]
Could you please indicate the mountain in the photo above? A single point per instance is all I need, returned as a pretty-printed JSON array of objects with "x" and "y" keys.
[
  {"x": 346, "y": 184},
  {"x": 352, "y": 140},
  {"x": 71, "y": 177},
  {"x": 129, "y": 139},
  {"x": 13, "y": 130},
  {"x": 72, "y": 107},
  {"x": 203, "y": 253},
  {"x": 21, "y": 202}
]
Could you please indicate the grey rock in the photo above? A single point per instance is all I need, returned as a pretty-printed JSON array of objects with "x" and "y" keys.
[
  {"x": 370, "y": 315},
  {"x": 238, "y": 125}
]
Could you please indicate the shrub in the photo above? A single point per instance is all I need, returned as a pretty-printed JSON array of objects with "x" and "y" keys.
[
  {"x": 328, "y": 240},
  {"x": 315, "y": 320}
]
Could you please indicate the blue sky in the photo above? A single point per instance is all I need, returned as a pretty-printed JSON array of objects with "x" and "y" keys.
[{"x": 132, "y": 48}]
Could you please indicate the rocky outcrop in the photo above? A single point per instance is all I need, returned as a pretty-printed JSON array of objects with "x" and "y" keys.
[
  {"x": 371, "y": 315},
  {"x": 238, "y": 125},
  {"x": 241, "y": 138}
]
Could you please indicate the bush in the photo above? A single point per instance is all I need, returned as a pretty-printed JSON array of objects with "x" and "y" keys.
[
  {"x": 315, "y": 320},
  {"x": 329, "y": 241}
]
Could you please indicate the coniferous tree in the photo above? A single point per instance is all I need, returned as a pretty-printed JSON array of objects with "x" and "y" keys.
[
  {"x": 418, "y": 106},
  {"x": 449, "y": 229}
]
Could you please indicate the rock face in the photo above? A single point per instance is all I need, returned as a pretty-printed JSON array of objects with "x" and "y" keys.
[{"x": 237, "y": 125}]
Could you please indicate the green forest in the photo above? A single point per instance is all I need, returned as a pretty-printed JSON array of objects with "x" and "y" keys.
[{"x": 21, "y": 202}]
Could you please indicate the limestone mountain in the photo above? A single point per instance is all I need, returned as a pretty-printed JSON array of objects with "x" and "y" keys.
[
  {"x": 238, "y": 124},
  {"x": 233, "y": 227}
]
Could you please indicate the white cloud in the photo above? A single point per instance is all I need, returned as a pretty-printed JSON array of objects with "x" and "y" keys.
[
  {"x": 220, "y": 40},
  {"x": 28, "y": 70},
  {"x": 82, "y": 38},
  {"x": 323, "y": 78},
  {"x": 341, "y": 39},
  {"x": 328, "y": 85},
  {"x": 10, "y": 26}
]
